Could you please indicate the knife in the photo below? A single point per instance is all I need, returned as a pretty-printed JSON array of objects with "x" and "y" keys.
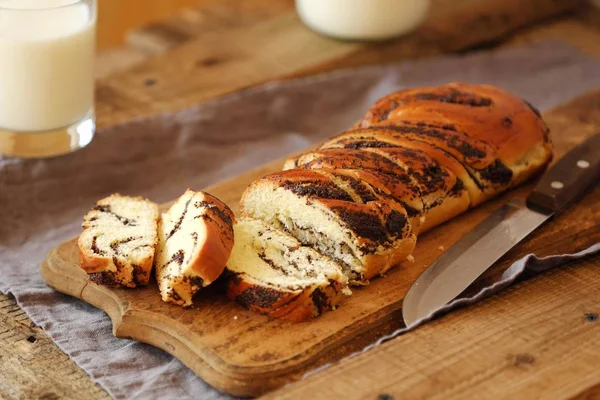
[{"x": 472, "y": 255}]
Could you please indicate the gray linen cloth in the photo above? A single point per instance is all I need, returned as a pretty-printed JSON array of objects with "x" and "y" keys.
[{"x": 42, "y": 201}]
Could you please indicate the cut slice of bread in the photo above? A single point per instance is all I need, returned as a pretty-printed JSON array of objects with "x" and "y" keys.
[
  {"x": 119, "y": 239},
  {"x": 195, "y": 241},
  {"x": 366, "y": 239},
  {"x": 274, "y": 274}
]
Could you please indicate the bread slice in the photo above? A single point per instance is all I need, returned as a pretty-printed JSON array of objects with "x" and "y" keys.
[
  {"x": 366, "y": 239},
  {"x": 119, "y": 239},
  {"x": 270, "y": 272},
  {"x": 195, "y": 241}
]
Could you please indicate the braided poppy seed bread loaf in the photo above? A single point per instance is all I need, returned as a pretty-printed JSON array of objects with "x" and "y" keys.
[
  {"x": 119, "y": 239},
  {"x": 417, "y": 158},
  {"x": 195, "y": 238}
]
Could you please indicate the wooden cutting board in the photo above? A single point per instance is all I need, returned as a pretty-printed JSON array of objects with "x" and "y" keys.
[{"x": 243, "y": 353}]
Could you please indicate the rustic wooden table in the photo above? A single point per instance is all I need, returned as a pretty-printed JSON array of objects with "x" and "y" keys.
[{"x": 226, "y": 45}]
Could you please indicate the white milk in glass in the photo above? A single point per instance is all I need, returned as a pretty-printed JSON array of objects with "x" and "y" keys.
[{"x": 46, "y": 63}]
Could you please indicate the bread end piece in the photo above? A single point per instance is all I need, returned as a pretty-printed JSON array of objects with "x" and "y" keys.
[
  {"x": 119, "y": 239},
  {"x": 195, "y": 241}
]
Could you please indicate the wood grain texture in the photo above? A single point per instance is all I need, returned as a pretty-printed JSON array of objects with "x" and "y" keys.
[
  {"x": 116, "y": 17},
  {"x": 112, "y": 61},
  {"x": 225, "y": 344},
  {"x": 32, "y": 367},
  {"x": 581, "y": 29},
  {"x": 244, "y": 54},
  {"x": 208, "y": 16},
  {"x": 527, "y": 343}
]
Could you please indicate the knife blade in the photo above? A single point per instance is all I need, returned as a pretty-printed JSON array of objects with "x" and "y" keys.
[{"x": 477, "y": 251}]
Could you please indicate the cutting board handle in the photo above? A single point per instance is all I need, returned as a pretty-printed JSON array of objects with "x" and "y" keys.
[{"x": 569, "y": 178}]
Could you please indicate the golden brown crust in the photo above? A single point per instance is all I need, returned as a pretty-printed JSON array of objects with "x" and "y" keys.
[
  {"x": 448, "y": 208},
  {"x": 311, "y": 304},
  {"x": 388, "y": 174},
  {"x": 294, "y": 305},
  {"x": 445, "y": 185},
  {"x": 378, "y": 264},
  {"x": 92, "y": 264},
  {"x": 210, "y": 261},
  {"x": 386, "y": 138},
  {"x": 399, "y": 243},
  {"x": 483, "y": 112},
  {"x": 196, "y": 239},
  {"x": 365, "y": 188}
]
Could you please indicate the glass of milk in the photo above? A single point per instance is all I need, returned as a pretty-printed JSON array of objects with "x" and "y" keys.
[
  {"x": 363, "y": 19},
  {"x": 47, "y": 50}
]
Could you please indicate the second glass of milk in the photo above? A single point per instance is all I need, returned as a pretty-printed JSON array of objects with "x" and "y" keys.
[{"x": 47, "y": 51}]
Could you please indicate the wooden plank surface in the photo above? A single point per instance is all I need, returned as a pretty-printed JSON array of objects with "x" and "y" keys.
[
  {"x": 32, "y": 367},
  {"x": 117, "y": 17},
  {"x": 527, "y": 343},
  {"x": 221, "y": 61},
  {"x": 580, "y": 29},
  {"x": 222, "y": 15},
  {"x": 112, "y": 61},
  {"x": 208, "y": 17}
]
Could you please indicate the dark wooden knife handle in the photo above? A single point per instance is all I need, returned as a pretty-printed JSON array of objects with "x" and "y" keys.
[{"x": 568, "y": 178}]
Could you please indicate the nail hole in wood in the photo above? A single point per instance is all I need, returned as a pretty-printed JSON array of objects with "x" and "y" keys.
[
  {"x": 209, "y": 62},
  {"x": 31, "y": 339},
  {"x": 385, "y": 396},
  {"x": 150, "y": 82},
  {"x": 591, "y": 317},
  {"x": 523, "y": 359},
  {"x": 49, "y": 396}
]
